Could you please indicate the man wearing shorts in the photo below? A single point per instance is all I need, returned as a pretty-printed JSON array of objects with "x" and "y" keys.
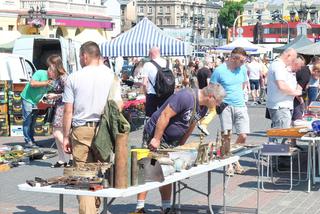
[
  {"x": 232, "y": 75},
  {"x": 255, "y": 74}
]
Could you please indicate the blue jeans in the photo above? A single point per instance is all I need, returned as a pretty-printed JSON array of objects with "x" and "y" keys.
[{"x": 29, "y": 115}]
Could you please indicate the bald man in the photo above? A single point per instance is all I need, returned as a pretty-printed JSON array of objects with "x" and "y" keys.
[
  {"x": 149, "y": 73},
  {"x": 282, "y": 88}
]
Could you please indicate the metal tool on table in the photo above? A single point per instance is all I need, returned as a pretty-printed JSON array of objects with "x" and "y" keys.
[
  {"x": 202, "y": 157},
  {"x": 225, "y": 144},
  {"x": 149, "y": 170}
]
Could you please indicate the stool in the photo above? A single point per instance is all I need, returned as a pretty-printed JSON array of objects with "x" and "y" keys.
[{"x": 291, "y": 153}]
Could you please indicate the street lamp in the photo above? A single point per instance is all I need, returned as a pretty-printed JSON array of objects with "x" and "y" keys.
[{"x": 37, "y": 17}]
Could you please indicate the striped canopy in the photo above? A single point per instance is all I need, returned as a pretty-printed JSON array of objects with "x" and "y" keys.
[{"x": 138, "y": 40}]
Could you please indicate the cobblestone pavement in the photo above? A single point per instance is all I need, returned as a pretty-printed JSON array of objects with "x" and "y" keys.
[{"x": 241, "y": 190}]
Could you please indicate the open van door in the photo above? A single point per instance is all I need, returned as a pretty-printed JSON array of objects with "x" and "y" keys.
[
  {"x": 24, "y": 47},
  {"x": 70, "y": 49},
  {"x": 15, "y": 68}
]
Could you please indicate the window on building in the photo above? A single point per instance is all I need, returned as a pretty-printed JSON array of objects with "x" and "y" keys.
[
  {"x": 249, "y": 12},
  {"x": 160, "y": 9},
  {"x": 10, "y": 27},
  {"x": 1, "y": 28},
  {"x": 140, "y": 9},
  {"x": 150, "y": 10},
  {"x": 87, "y": 1},
  {"x": 168, "y": 9},
  {"x": 168, "y": 20},
  {"x": 160, "y": 21},
  {"x": 133, "y": 3}
]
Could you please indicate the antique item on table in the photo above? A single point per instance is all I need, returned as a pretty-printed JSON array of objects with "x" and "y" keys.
[
  {"x": 314, "y": 107},
  {"x": 226, "y": 144},
  {"x": 218, "y": 145},
  {"x": 179, "y": 164},
  {"x": 87, "y": 169},
  {"x": 121, "y": 161},
  {"x": 202, "y": 157},
  {"x": 134, "y": 168},
  {"x": 286, "y": 132},
  {"x": 150, "y": 170}
]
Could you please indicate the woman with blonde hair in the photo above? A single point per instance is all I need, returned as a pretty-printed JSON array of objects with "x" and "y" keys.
[{"x": 55, "y": 66}]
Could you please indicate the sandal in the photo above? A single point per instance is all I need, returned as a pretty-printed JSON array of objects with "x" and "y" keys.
[
  {"x": 230, "y": 171},
  {"x": 238, "y": 169}
]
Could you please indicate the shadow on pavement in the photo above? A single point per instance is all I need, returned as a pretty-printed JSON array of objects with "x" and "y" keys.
[{"x": 32, "y": 210}]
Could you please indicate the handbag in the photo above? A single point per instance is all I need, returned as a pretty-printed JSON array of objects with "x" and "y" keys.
[{"x": 49, "y": 116}]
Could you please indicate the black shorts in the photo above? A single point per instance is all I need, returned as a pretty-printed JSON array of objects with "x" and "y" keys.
[{"x": 254, "y": 84}]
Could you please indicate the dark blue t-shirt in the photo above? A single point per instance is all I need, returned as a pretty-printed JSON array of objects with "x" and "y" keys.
[{"x": 182, "y": 102}]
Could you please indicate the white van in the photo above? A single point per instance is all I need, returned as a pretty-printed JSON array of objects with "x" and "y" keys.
[
  {"x": 37, "y": 49},
  {"x": 16, "y": 68}
]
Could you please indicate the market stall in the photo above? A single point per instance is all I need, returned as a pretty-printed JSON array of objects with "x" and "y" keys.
[
  {"x": 299, "y": 42},
  {"x": 241, "y": 42},
  {"x": 175, "y": 178},
  {"x": 138, "y": 40}
]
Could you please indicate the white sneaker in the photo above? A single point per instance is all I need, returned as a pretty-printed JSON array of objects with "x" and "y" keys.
[{"x": 203, "y": 129}]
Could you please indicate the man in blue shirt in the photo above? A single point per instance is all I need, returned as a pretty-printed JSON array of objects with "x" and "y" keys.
[{"x": 232, "y": 75}]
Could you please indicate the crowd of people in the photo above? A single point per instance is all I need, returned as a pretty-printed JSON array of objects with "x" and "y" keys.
[{"x": 205, "y": 89}]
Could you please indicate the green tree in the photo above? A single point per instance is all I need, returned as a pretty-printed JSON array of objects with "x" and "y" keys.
[{"x": 230, "y": 11}]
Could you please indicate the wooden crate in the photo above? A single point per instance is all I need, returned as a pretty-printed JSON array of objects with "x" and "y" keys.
[{"x": 4, "y": 108}]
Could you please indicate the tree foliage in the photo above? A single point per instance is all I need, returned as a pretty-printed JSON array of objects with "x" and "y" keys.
[{"x": 230, "y": 11}]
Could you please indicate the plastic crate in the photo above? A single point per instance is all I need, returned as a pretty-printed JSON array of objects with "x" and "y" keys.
[{"x": 16, "y": 131}]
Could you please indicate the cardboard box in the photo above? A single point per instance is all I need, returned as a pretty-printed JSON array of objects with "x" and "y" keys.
[
  {"x": 275, "y": 148},
  {"x": 16, "y": 131}
]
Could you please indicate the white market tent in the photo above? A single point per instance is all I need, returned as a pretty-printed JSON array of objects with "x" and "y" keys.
[
  {"x": 90, "y": 35},
  {"x": 312, "y": 49},
  {"x": 241, "y": 42},
  {"x": 138, "y": 40}
]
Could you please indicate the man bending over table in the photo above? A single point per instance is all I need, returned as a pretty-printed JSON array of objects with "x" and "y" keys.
[{"x": 172, "y": 124}]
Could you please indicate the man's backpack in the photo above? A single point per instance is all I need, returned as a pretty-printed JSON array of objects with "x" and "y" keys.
[{"x": 165, "y": 81}]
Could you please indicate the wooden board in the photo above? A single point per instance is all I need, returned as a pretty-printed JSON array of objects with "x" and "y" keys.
[{"x": 288, "y": 132}]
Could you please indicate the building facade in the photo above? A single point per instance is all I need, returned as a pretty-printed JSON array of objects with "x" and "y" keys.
[
  {"x": 54, "y": 18},
  {"x": 199, "y": 15},
  {"x": 288, "y": 9}
]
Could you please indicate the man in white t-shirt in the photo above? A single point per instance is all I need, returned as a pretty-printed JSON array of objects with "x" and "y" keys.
[
  {"x": 254, "y": 73},
  {"x": 85, "y": 95},
  {"x": 282, "y": 88},
  {"x": 149, "y": 73}
]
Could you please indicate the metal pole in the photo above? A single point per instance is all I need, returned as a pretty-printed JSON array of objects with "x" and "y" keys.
[
  {"x": 235, "y": 21},
  {"x": 234, "y": 26},
  {"x": 220, "y": 36}
]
